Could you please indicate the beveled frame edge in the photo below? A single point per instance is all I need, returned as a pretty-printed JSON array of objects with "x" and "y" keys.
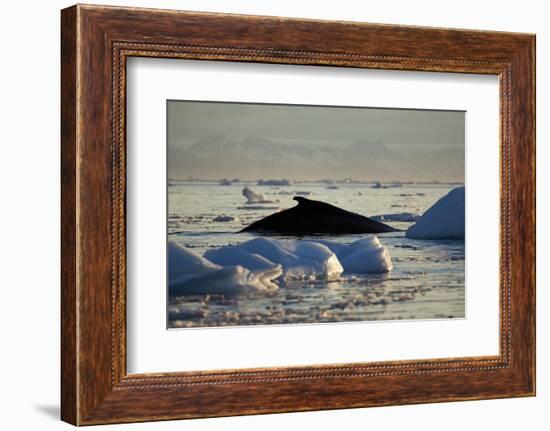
[{"x": 96, "y": 41}]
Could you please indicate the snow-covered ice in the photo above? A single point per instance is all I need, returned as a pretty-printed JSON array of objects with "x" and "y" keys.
[
  {"x": 301, "y": 259},
  {"x": 255, "y": 198},
  {"x": 191, "y": 274},
  {"x": 364, "y": 256},
  {"x": 443, "y": 220},
  {"x": 235, "y": 255}
]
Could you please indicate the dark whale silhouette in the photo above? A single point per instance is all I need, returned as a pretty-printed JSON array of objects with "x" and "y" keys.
[{"x": 315, "y": 217}]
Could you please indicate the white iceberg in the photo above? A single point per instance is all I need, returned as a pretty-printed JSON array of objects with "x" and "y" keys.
[
  {"x": 256, "y": 265},
  {"x": 235, "y": 255},
  {"x": 255, "y": 198},
  {"x": 190, "y": 274},
  {"x": 301, "y": 259},
  {"x": 443, "y": 220},
  {"x": 364, "y": 256},
  {"x": 182, "y": 262}
]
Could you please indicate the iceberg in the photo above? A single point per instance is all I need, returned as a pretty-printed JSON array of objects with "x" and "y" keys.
[
  {"x": 443, "y": 220},
  {"x": 260, "y": 264},
  {"x": 303, "y": 259},
  {"x": 191, "y": 274},
  {"x": 364, "y": 256},
  {"x": 299, "y": 259},
  {"x": 235, "y": 255},
  {"x": 255, "y": 198},
  {"x": 182, "y": 262}
]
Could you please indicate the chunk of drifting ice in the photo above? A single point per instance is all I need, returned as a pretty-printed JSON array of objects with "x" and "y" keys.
[
  {"x": 234, "y": 255},
  {"x": 443, "y": 220},
  {"x": 321, "y": 255},
  {"x": 255, "y": 264},
  {"x": 255, "y": 198},
  {"x": 307, "y": 259},
  {"x": 364, "y": 256},
  {"x": 190, "y": 274},
  {"x": 182, "y": 262},
  {"x": 299, "y": 259},
  {"x": 229, "y": 280},
  {"x": 372, "y": 259}
]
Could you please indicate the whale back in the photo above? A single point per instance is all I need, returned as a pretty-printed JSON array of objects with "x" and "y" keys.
[{"x": 316, "y": 217}]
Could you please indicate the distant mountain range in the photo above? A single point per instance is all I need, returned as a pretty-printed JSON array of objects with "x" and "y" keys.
[{"x": 222, "y": 156}]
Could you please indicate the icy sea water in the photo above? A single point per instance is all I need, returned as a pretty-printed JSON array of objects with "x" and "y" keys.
[{"x": 427, "y": 281}]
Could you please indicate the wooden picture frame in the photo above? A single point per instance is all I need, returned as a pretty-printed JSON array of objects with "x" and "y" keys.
[{"x": 95, "y": 43}]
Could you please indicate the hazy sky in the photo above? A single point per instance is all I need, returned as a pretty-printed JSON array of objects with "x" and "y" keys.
[{"x": 413, "y": 144}]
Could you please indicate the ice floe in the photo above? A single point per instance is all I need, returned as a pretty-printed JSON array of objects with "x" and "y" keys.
[
  {"x": 299, "y": 259},
  {"x": 364, "y": 256},
  {"x": 259, "y": 264},
  {"x": 307, "y": 259},
  {"x": 190, "y": 274},
  {"x": 443, "y": 220},
  {"x": 255, "y": 198},
  {"x": 235, "y": 255}
]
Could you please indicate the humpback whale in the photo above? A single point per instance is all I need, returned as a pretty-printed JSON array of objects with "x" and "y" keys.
[{"x": 316, "y": 217}]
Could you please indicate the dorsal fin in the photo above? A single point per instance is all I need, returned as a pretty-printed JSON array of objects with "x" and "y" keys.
[{"x": 302, "y": 200}]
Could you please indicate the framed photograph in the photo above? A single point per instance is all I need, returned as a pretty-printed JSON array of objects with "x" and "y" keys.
[{"x": 264, "y": 214}]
